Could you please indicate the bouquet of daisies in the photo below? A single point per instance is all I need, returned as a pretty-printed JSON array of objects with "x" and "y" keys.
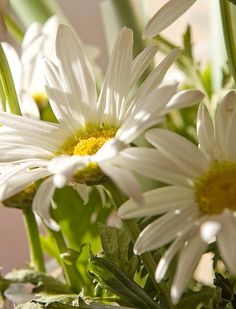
[{"x": 125, "y": 181}]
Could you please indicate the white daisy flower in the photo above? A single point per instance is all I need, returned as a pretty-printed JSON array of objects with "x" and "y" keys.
[
  {"x": 200, "y": 204},
  {"x": 167, "y": 14},
  {"x": 91, "y": 133}
]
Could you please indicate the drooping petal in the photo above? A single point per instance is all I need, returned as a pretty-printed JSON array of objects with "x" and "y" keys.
[
  {"x": 124, "y": 180},
  {"x": 168, "y": 14},
  {"x": 158, "y": 201},
  {"x": 226, "y": 242},
  {"x": 42, "y": 202},
  {"x": 188, "y": 260}
]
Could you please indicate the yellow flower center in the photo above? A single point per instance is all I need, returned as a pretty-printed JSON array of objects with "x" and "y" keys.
[
  {"x": 41, "y": 99},
  {"x": 87, "y": 142},
  {"x": 215, "y": 190}
]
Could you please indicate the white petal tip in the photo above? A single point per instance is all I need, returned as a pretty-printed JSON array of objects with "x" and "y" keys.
[
  {"x": 59, "y": 180},
  {"x": 160, "y": 271},
  {"x": 175, "y": 296},
  {"x": 209, "y": 229},
  {"x": 52, "y": 225}
]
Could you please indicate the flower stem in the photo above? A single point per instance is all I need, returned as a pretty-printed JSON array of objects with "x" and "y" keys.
[
  {"x": 14, "y": 28},
  {"x": 36, "y": 255},
  {"x": 134, "y": 231},
  {"x": 30, "y": 11},
  {"x": 71, "y": 273},
  {"x": 8, "y": 84},
  {"x": 227, "y": 25}
]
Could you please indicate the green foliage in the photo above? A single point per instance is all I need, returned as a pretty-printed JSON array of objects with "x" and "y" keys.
[
  {"x": 42, "y": 281},
  {"x": 116, "y": 245},
  {"x": 224, "y": 296},
  {"x": 112, "y": 278},
  {"x": 196, "y": 299}
]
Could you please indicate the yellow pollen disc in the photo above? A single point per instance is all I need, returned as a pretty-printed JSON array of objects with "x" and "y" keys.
[
  {"x": 216, "y": 189},
  {"x": 87, "y": 142},
  {"x": 41, "y": 99}
]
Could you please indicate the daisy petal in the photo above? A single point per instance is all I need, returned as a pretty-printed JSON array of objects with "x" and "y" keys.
[
  {"x": 205, "y": 132},
  {"x": 142, "y": 61},
  {"x": 168, "y": 14},
  {"x": 226, "y": 240},
  {"x": 223, "y": 120},
  {"x": 76, "y": 72},
  {"x": 184, "y": 99},
  {"x": 165, "y": 229},
  {"x": 118, "y": 76},
  {"x": 57, "y": 97},
  {"x": 188, "y": 260},
  {"x": 151, "y": 163},
  {"x": 124, "y": 180},
  {"x": 156, "y": 77},
  {"x": 179, "y": 150},
  {"x": 42, "y": 202},
  {"x": 157, "y": 202}
]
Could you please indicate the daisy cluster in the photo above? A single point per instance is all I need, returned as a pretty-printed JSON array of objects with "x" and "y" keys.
[{"x": 94, "y": 140}]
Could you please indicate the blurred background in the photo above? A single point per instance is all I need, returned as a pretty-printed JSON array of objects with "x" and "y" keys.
[{"x": 86, "y": 18}]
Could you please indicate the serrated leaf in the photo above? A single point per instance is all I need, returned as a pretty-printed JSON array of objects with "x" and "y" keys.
[
  {"x": 116, "y": 245},
  {"x": 111, "y": 277},
  {"x": 42, "y": 281}
]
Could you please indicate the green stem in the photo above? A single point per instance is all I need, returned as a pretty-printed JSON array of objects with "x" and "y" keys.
[
  {"x": 3, "y": 98},
  {"x": 30, "y": 11},
  {"x": 134, "y": 231},
  {"x": 70, "y": 271},
  {"x": 8, "y": 84},
  {"x": 14, "y": 28},
  {"x": 36, "y": 255},
  {"x": 227, "y": 25}
]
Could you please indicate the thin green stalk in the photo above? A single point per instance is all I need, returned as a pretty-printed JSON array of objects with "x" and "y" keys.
[
  {"x": 30, "y": 11},
  {"x": 71, "y": 273},
  {"x": 134, "y": 231},
  {"x": 2, "y": 97},
  {"x": 14, "y": 28},
  {"x": 8, "y": 84},
  {"x": 36, "y": 255},
  {"x": 228, "y": 31}
]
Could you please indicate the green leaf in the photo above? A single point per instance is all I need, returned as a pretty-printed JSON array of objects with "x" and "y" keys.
[
  {"x": 187, "y": 42},
  {"x": 116, "y": 246},
  {"x": 224, "y": 293},
  {"x": 42, "y": 281},
  {"x": 78, "y": 221},
  {"x": 196, "y": 298},
  {"x": 111, "y": 277},
  {"x": 233, "y": 1}
]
